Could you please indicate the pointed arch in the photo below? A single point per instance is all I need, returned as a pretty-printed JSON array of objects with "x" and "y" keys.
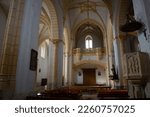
[
  {"x": 100, "y": 26},
  {"x": 53, "y": 17}
]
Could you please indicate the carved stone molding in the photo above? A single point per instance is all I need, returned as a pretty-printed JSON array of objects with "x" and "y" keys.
[
  {"x": 56, "y": 41},
  {"x": 135, "y": 67},
  {"x": 136, "y": 72}
]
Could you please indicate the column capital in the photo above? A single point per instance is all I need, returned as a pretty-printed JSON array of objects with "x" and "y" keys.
[
  {"x": 56, "y": 41},
  {"x": 116, "y": 37},
  {"x": 66, "y": 53}
]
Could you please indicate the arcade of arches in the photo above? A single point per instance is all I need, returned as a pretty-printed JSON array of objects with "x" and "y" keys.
[{"x": 51, "y": 45}]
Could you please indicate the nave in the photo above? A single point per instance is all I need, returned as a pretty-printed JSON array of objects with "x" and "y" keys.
[{"x": 74, "y": 49}]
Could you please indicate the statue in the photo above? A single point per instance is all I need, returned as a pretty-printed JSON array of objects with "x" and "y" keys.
[{"x": 115, "y": 75}]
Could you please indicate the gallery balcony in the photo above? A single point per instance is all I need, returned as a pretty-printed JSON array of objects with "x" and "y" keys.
[{"x": 88, "y": 54}]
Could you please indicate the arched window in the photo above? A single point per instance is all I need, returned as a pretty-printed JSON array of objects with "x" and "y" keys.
[
  {"x": 88, "y": 42},
  {"x": 43, "y": 50}
]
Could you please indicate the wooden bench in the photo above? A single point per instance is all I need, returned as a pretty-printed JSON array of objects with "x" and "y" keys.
[{"x": 113, "y": 94}]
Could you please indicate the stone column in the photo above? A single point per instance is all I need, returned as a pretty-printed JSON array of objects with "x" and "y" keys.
[
  {"x": 66, "y": 69},
  {"x": 71, "y": 71},
  {"x": 123, "y": 80},
  {"x": 138, "y": 89},
  {"x": 29, "y": 35},
  {"x": 118, "y": 65},
  {"x": 10, "y": 47},
  {"x": 116, "y": 41},
  {"x": 55, "y": 64},
  {"x": 98, "y": 53},
  {"x": 130, "y": 89},
  {"x": 135, "y": 89},
  {"x": 78, "y": 53}
]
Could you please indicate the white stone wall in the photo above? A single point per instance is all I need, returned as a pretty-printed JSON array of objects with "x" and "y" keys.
[
  {"x": 79, "y": 78},
  {"x": 100, "y": 78},
  {"x": 42, "y": 71}
]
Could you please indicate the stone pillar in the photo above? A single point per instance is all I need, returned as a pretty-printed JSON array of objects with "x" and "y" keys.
[
  {"x": 118, "y": 63},
  {"x": 29, "y": 35},
  {"x": 116, "y": 42},
  {"x": 78, "y": 53},
  {"x": 66, "y": 69},
  {"x": 98, "y": 53},
  {"x": 71, "y": 71},
  {"x": 55, "y": 64},
  {"x": 130, "y": 89},
  {"x": 135, "y": 89},
  {"x": 147, "y": 90},
  {"x": 123, "y": 80},
  {"x": 50, "y": 66},
  {"x": 3, "y": 20},
  {"x": 138, "y": 89},
  {"x": 10, "y": 47}
]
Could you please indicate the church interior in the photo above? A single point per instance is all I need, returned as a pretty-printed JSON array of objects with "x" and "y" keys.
[{"x": 74, "y": 49}]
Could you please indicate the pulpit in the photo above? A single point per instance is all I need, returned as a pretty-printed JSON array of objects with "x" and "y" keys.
[{"x": 136, "y": 72}]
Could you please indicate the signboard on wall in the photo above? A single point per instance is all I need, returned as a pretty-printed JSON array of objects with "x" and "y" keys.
[{"x": 33, "y": 60}]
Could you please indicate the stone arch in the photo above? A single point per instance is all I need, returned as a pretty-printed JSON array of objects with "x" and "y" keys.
[
  {"x": 48, "y": 31},
  {"x": 54, "y": 19},
  {"x": 101, "y": 26}
]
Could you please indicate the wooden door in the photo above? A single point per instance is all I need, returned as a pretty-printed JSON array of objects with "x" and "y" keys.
[{"x": 89, "y": 76}]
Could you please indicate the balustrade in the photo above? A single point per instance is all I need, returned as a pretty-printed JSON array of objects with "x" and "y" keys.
[{"x": 98, "y": 52}]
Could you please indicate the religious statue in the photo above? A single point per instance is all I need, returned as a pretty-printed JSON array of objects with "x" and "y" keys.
[{"x": 114, "y": 74}]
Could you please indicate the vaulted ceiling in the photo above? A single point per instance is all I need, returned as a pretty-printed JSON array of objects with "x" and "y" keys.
[
  {"x": 79, "y": 10},
  {"x": 87, "y": 17}
]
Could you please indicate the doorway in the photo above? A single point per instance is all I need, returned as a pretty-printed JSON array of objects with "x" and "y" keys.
[{"x": 89, "y": 76}]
